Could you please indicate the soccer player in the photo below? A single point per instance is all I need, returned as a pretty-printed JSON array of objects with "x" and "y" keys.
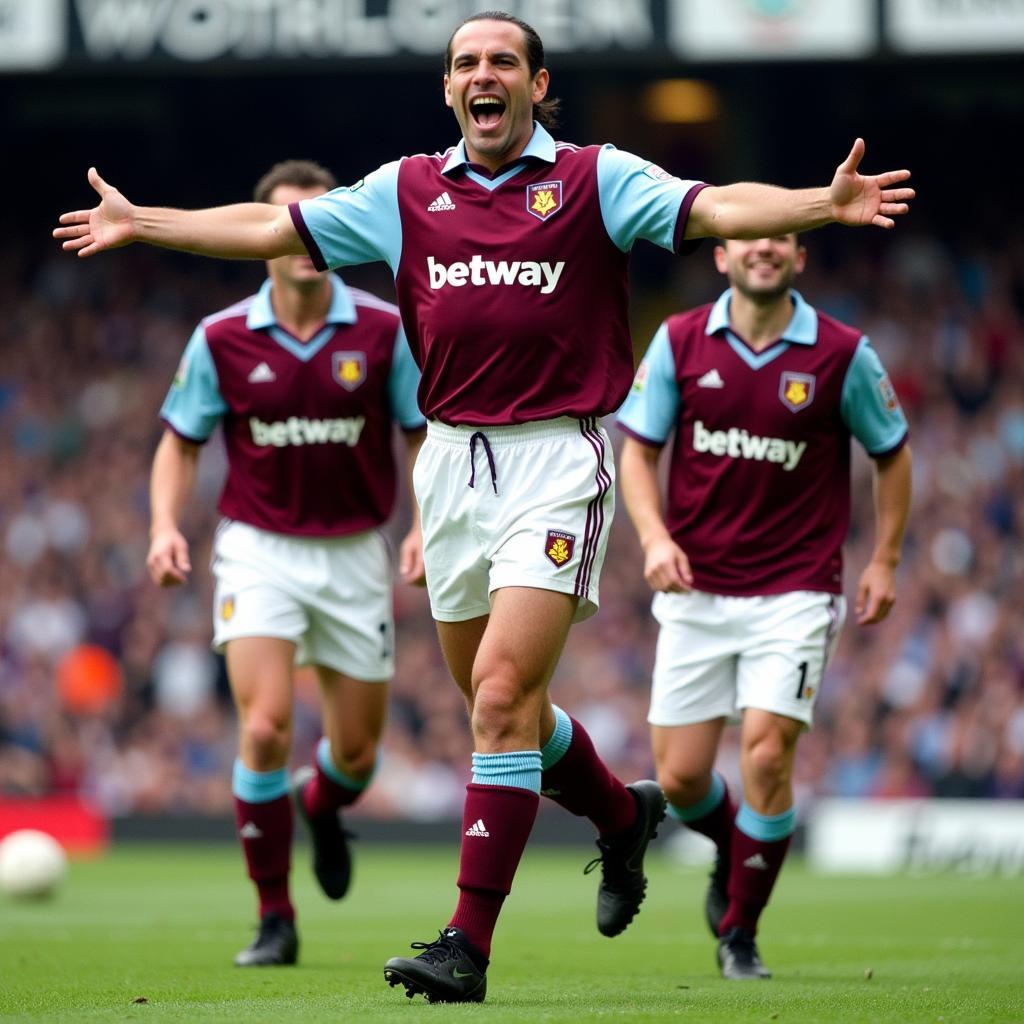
[
  {"x": 307, "y": 379},
  {"x": 510, "y": 256},
  {"x": 763, "y": 393}
]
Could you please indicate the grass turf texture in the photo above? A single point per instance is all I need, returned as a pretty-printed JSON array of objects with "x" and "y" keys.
[{"x": 162, "y": 924}]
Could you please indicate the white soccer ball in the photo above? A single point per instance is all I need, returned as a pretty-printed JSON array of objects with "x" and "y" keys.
[{"x": 32, "y": 864}]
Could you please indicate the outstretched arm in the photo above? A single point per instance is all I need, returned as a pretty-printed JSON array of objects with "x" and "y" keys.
[
  {"x": 256, "y": 231},
  {"x": 876, "y": 591},
  {"x": 666, "y": 566},
  {"x": 750, "y": 210}
]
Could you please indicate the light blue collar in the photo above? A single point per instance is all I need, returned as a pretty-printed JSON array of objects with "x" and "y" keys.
[
  {"x": 342, "y": 310},
  {"x": 801, "y": 329},
  {"x": 541, "y": 147}
]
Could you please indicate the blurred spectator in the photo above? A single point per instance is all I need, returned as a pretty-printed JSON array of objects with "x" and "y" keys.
[{"x": 929, "y": 703}]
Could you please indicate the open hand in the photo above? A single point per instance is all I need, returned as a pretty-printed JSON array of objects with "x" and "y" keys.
[
  {"x": 859, "y": 199},
  {"x": 168, "y": 561},
  {"x": 109, "y": 225}
]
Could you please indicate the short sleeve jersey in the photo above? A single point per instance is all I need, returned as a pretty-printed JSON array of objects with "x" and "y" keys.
[
  {"x": 759, "y": 477},
  {"x": 513, "y": 288},
  {"x": 307, "y": 425}
]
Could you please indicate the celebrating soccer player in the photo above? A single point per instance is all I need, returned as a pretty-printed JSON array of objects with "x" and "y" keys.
[
  {"x": 307, "y": 378},
  {"x": 763, "y": 393},
  {"x": 510, "y": 256}
]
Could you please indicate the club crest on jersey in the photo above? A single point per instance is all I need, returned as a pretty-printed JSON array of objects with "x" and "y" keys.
[
  {"x": 796, "y": 390},
  {"x": 559, "y": 547},
  {"x": 227, "y": 607},
  {"x": 888, "y": 392},
  {"x": 544, "y": 199},
  {"x": 349, "y": 369}
]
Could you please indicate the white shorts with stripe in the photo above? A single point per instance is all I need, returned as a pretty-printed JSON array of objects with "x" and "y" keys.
[
  {"x": 717, "y": 655},
  {"x": 331, "y": 596},
  {"x": 528, "y": 505}
]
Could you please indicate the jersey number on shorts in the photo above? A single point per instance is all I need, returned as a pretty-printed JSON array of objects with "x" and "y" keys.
[{"x": 803, "y": 680}]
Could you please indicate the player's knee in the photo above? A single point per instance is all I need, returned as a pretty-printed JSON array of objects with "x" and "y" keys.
[
  {"x": 499, "y": 711},
  {"x": 684, "y": 786},
  {"x": 770, "y": 759},
  {"x": 267, "y": 737},
  {"x": 358, "y": 758}
]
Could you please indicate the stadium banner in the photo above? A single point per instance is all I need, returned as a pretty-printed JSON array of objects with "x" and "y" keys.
[
  {"x": 955, "y": 26},
  {"x": 983, "y": 837},
  {"x": 41, "y": 35},
  {"x": 33, "y": 34},
  {"x": 771, "y": 29}
]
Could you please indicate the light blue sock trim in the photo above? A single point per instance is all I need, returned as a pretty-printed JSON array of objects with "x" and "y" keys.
[
  {"x": 517, "y": 768},
  {"x": 333, "y": 772},
  {"x": 554, "y": 750},
  {"x": 258, "y": 787},
  {"x": 703, "y": 807},
  {"x": 766, "y": 828}
]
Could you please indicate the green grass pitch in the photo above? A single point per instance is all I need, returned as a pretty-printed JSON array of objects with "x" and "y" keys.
[{"x": 147, "y": 934}]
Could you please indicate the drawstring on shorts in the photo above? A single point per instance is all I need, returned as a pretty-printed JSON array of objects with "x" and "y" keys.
[{"x": 481, "y": 436}]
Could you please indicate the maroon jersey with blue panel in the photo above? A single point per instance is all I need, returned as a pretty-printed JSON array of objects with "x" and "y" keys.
[
  {"x": 759, "y": 477},
  {"x": 513, "y": 287},
  {"x": 307, "y": 425},
  {"x": 498, "y": 293}
]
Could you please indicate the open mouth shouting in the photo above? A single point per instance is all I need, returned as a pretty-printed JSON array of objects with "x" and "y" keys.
[{"x": 486, "y": 111}]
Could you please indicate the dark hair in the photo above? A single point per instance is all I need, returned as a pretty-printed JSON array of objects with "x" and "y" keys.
[
  {"x": 300, "y": 173},
  {"x": 546, "y": 112}
]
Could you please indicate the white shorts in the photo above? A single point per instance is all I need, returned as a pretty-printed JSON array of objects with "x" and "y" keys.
[
  {"x": 537, "y": 514},
  {"x": 331, "y": 596},
  {"x": 717, "y": 655}
]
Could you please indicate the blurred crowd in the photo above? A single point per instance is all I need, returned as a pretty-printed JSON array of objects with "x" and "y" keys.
[{"x": 107, "y": 684}]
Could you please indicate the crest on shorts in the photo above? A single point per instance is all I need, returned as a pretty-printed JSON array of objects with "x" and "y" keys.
[
  {"x": 796, "y": 390},
  {"x": 349, "y": 369},
  {"x": 559, "y": 547},
  {"x": 227, "y": 607},
  {"x": 544, "y": 199}
]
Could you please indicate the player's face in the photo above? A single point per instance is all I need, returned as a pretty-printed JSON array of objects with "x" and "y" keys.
[
  {"x": 297, "y": 271},
  {"x": 764, "y": 269},
  {"x": 491, "y": 91}
]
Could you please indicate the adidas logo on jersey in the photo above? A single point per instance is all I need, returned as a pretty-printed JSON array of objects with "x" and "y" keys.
[
  {"x": 711, "y": 379},
  {"x": 250, "y": 830},
  {"x": 757, "y": 862},
  {"x": 262, "y": 374},
  {"x": 479, "y": 829},
  {"x": 442, "y": 203}
]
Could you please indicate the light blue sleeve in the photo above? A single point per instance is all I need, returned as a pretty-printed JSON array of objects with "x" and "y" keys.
[
  {"x": 358, "y": 224},
  {"x": 194, "y": 405},
  {"x": 869, "y": 405},
  {"x": 403, "y": 383},
  {"x": 652, "y": 405},
  {"x": 639, "y": 199}
]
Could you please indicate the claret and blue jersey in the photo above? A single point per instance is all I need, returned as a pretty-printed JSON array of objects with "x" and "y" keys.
[
  {"x": 307, "y": 424},
  {"x": 759, "y": 478},
  {"x": 513, "y": 287}
]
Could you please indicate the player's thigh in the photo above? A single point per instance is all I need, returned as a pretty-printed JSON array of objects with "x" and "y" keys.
[
  {"x": 789, "y": 641},
  {"x": 694, "y": 678},
  {"x": 453, "y": 554},
  {"x": 460, "y": 642},
  {"x": 524, "y": 638},
  {"x": 351, "y": 619},
  {"x": 557, "y": 504},
  {"x": 354, "y": 713},
  {"x": 260, "y": 672},
  {"x": 686, "y": 753}
]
